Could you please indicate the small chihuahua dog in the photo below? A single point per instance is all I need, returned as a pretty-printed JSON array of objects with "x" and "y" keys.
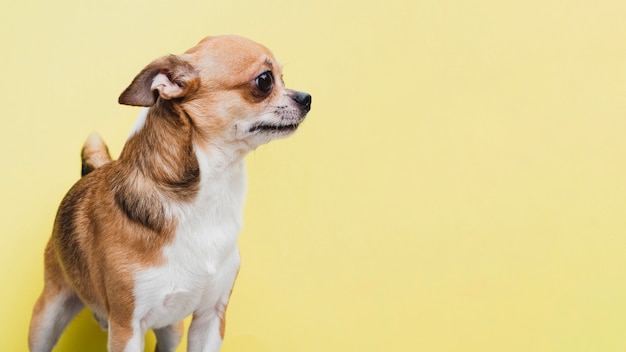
[{"x": 150, "y": 238}]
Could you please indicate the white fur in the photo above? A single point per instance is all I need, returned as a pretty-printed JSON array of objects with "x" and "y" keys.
[
  {"x": 61, "y": 310},
  {"x": 140, "y": 122},
  {"x": 203, "y": 260},
  {"x": 136, "y": 343}
]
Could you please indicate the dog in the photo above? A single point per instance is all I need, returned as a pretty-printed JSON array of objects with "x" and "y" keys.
[{"x": 151, "y": 238}]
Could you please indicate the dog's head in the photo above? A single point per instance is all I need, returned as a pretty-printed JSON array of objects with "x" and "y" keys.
[{"x": 230, "y": 87}]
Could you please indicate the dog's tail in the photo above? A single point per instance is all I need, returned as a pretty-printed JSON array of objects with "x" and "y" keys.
[{"x": 94, "y": 154}]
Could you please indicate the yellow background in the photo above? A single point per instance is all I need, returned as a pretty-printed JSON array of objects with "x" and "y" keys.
[{"x": 459, "y": 185}]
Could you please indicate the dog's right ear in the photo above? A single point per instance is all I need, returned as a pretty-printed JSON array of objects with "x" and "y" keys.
[{"x": 168, "y": 77}]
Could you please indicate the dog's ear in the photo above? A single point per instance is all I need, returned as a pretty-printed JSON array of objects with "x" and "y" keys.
[{"x": 168, "y": 77}]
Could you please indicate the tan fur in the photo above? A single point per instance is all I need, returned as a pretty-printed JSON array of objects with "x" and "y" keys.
[
  {"x": 94, "y": 154},
  {"x": 115, "y": 221}
]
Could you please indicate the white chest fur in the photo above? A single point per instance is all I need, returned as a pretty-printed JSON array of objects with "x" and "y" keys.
[{"x": 203, "y": 260}]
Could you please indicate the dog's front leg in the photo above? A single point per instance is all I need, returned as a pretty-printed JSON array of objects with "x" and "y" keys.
[
  {"x": 125, "y": 338},
  {"x": 168, "y": 337},
  {"x": 206, "y": 331}
]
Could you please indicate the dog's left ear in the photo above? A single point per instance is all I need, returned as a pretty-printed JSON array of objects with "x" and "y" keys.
[{"x": 168, "y": 77}]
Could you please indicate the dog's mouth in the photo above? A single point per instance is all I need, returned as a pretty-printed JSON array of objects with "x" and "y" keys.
[{"x": 269, "y": 128}]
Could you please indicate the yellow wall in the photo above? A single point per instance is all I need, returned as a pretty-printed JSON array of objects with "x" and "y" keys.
[{"x": 460, "y": 184}]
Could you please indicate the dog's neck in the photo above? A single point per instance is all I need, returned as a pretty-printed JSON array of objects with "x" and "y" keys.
[
  {"x": 161, "y": 163},
  {"x": 162, "y": 148}
]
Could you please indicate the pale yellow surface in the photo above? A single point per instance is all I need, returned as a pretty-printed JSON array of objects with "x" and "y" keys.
[{"x": 460, "y": 184}]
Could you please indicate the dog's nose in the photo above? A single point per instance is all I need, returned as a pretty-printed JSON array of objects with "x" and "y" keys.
[{"x": 303, "y": 99}]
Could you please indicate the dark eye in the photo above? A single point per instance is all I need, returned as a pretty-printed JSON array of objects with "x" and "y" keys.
[{"x": 265, "y": 82}]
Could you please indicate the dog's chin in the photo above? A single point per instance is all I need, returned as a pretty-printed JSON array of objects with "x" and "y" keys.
[{"x": 262, "y": 133}]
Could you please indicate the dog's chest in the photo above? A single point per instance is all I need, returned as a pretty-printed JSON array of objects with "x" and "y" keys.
[{"x": 202, "y": 261}]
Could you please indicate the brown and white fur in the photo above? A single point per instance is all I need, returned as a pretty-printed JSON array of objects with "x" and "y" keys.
[{"x": 151, "y": 238}]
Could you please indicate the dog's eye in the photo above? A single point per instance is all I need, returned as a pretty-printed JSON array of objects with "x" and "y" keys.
[{"x": 265, "y": 82}]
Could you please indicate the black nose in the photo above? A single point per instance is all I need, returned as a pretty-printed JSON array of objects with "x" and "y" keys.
[{"x": 303, "y": 99}]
